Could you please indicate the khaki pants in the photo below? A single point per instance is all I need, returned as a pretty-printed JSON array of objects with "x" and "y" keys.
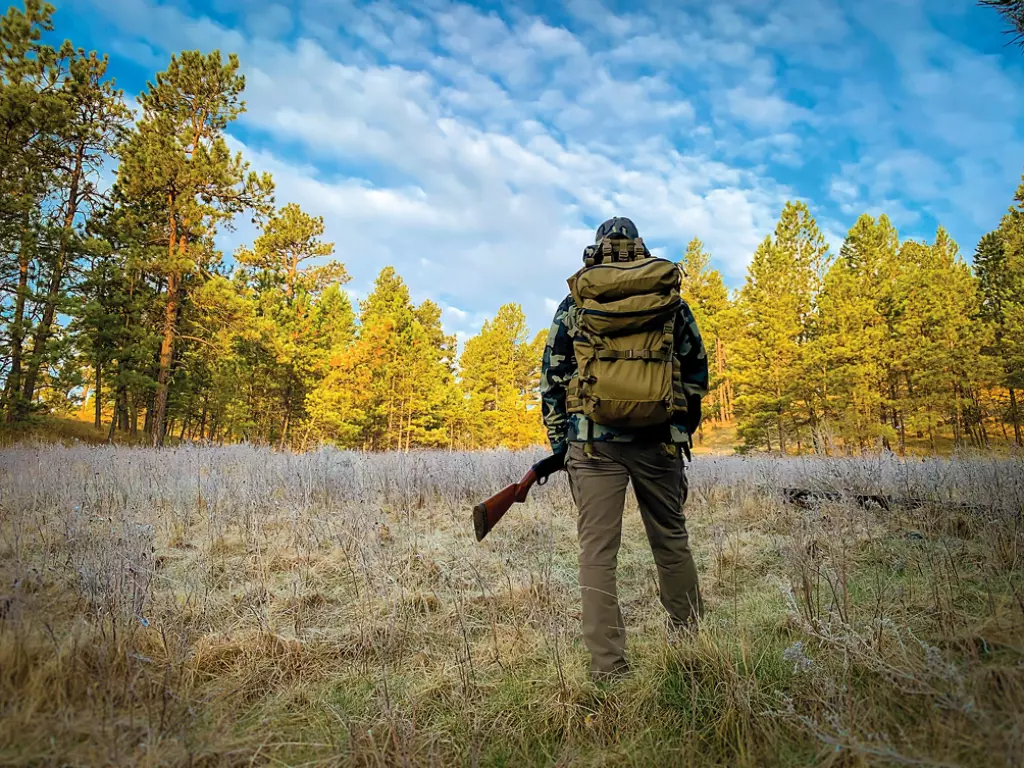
[{"x": 598, "y": 483}]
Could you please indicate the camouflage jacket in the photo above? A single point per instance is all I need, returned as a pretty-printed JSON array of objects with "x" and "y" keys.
[{"x": 559, "y": 366}]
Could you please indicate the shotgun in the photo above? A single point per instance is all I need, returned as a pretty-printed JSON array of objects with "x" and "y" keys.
[{"x": 487, "y": 514}]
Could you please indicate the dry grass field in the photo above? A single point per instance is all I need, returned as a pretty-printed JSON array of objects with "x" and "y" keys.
[{"x": 237, "y": 606}]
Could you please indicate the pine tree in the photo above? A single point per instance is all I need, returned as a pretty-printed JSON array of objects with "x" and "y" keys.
[
  {"x": 995, "y": 286},
  {"x": 289, "y": 240},
  {"x": 798, "y": 237},
  {"x": 499, "y": 371},
  {"x": 779, "y": 384},
  {"x": 96, "y": 116},
  {"x": 389, "y": 389},
  {"x": 999, "y": 265},
  {"x": 939, "y": 358},
  {"x": 333, "y": 319},
  {"x": 766, "y": 356},
  {"x": 177, "y": 171},
  {"x": 854, "y": 344},
  {"x": 110, "y": 332},
  {"x": 1011, "y": 231},
  {"x": 32, "y": 114},
  {"x": 1013, "y": 13},
  {"x": 705, "y": 293},
  {"x": 291, "y": 288}
]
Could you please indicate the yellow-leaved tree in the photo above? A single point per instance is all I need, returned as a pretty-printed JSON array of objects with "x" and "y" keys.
[{"x": 499, "y": 372}]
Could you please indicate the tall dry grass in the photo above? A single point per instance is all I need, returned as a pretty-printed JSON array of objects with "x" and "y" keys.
[{"x": 237, "y": 606}]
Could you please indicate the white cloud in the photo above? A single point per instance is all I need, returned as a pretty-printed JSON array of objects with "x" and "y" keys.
[
  {"x": 768, "y": 110},
  {"x": 457, "y": 314},
  {"x": 476, "y": 150},
  {"x": 846, "y": 194},
  {"x": 554, "y": 41},
  {"x": 944, "y": 129},
  {"x": 273, "y": 21}
]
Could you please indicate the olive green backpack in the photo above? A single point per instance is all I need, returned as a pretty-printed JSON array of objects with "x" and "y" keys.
[{"x": 623, "y": 328}]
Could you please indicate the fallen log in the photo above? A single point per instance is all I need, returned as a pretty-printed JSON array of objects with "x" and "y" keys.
[{"x": 808, "y": 499}]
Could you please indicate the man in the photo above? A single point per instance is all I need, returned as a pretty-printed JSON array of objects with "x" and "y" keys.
[{"x": 602, "y": 457}]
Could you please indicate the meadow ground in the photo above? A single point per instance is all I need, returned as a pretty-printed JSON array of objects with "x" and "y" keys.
[{"x": 236, "y": 606}]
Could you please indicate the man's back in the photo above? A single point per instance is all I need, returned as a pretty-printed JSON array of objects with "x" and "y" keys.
[
  {"x": 559, "y": 366},
  {"x": 605, "y": 451}
]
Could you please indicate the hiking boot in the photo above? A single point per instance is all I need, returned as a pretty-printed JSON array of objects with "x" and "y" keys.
[
  {"x": 681, "y": 634},
  {"x": 609, "y": 678}
]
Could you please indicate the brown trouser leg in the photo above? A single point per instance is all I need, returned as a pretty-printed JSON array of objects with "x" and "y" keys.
[
  {"x": 660, "y": 486},
  {"x": 598, "y": 484}
]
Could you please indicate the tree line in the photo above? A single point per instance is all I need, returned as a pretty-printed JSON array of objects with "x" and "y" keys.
[
  {"x": 889, "y": 341},
  {"x": 117, "y": 295}
]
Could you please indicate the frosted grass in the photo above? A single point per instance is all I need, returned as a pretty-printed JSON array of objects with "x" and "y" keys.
[
  {"x": 257, "y": 600},
  {"x": 124, "y": 481}
]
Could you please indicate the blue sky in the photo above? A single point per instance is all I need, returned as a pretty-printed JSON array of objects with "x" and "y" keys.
[{"x": 476, "y": 146}]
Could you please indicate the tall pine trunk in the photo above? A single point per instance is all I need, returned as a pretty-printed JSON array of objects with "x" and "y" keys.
[
  {"x": 287, "y": 414},
  {"x": 53, "y": 288},
  {"x": 958, "y": 439},
  {"x": 116, "y": 416},
  {"x": 897, "y": 418},
  {"x": 284, "y": 431},
  {"x": 202, "y": 419},
  {"x": 982, "y": 433},
  {"x": 13, "y": 389},
  {"x": 174, "y": 279},
  {"x": 1015, "y": 417},
  {"x": 778, "y": 421},
  {"x": 721, "y": 393},
  {"x": 98, "y": 420},
  {"x": 166, "y": 357}
]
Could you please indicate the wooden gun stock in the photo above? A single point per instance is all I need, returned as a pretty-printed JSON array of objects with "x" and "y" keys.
[{"x": 487, "y": 514}]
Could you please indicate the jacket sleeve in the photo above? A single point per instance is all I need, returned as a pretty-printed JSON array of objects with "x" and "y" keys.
[
  {"x": 557, "y": 368},
  {"x": 693, "y": 361}
]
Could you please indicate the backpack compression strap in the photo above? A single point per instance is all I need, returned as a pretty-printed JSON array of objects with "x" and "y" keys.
[
  {"x": 626, "y": 250},
  {"x": 659, "y": 355}
]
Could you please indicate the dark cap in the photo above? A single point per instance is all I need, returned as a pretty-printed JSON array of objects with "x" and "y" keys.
[{"x": 617, "y": 226}]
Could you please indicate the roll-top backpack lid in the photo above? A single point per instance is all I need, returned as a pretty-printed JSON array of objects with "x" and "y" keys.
[{"x": 613, "y": 282}]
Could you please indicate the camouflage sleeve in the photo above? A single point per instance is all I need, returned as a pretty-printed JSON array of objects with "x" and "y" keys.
[
  {"x": 557, "y": 369},
  {"x": 693, "y": 365}
]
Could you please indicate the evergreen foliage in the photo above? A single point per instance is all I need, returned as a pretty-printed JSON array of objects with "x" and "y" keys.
[{"x": 1013, "y": 12}]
